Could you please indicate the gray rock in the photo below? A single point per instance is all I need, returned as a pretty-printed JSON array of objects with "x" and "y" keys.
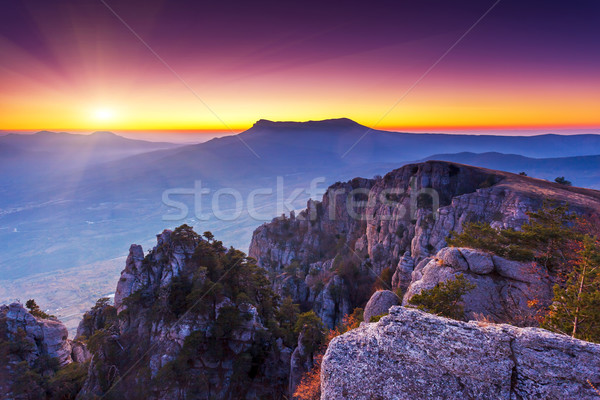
[
  {"x": 503, "y": 287},
  {"x": 47, "y": 337},
  {"x": 410, "y": 354},
  {"x": 129, "y": 281},
  {"x": 519, "y": 271},
  {"x": 403, "y": 274},
  {"x": 80, "y": 352},
  {"x": 479, "y": 262},
  {"x": 380, "y": 303},
  {"x": 331, "y": 304},
  {"x": 453, "y": 257},
  {"x": 301, "y": 362}
]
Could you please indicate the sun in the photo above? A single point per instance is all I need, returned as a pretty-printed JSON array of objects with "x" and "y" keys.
[{"x": 103, "y": 114}]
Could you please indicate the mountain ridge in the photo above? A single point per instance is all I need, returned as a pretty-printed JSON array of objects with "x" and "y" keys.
[{"x": 235, "y": 339}]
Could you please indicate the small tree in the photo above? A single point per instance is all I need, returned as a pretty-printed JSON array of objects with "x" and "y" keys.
[
  {"x": 312, "y": 329},
  {"x": 209, "y": 236},
  {"x": 35, "y": 310},
  {"x": 384, "y": 281},
  {"x": 444, "y": 298},
  {"x": 310, "y": 385},
  {"x": 523, "y": 173},
  {"x": 562, "y": 181},
  {"x": 546, "y": 238},
  {"x": 287, "y": 315},
  {"x": 576, "y": 307}
]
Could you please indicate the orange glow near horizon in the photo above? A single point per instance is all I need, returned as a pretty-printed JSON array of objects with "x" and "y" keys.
[
  {"x": 82, "y": 77},
  {"x": 445, "y": 101}
]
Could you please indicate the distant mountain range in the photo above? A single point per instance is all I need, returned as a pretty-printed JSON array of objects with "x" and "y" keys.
[
  {"x": 100, "y": 146},
  {"x": 68, "y": 200}
]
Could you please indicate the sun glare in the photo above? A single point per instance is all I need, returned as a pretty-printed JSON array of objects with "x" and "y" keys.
[{"x": 103, "y": 114}]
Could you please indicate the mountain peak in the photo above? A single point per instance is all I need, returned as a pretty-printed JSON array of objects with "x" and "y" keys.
[
  {"x": 49, "y": 133},
  {"x": 324, "y": 124},
  {"x": 103, "y": 134}
]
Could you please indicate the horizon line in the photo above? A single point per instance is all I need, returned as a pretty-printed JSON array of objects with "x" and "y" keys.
[{"x": 458, "y": 129}]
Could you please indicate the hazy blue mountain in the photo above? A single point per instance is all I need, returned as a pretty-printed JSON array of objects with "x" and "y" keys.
[
  {"x": 68, "y": 200},
  {"x": 100, "y": 143}
]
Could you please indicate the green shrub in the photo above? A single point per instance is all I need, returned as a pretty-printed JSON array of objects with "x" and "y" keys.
[
  {"x": 562, "y": 181},
  {"x": 545, "y": 238},
  {"x": 312, "y": 329},
  {"x": 35, "y": 310},
  {"x": 376, "y": 318},
  {"x": 445, "y": 298},
  {"x": 68, "y": 381}
]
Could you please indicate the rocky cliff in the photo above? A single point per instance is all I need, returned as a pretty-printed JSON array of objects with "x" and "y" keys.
[
  {"x": 410, "y": 354},
  {"x": 195, "y": 320},
  {"x": 47, "y": 337},
  {"x": 328, "y": 256},
  {"x": 32, "y": 350}
]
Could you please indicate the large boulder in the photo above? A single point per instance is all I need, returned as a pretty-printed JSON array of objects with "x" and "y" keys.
[
  {"x": 380, "y": 303},
  {"x": 410, "y": 354},
  {"x": 504, "y": 289}
]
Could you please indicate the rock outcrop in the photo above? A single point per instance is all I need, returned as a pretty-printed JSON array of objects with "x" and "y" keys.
[
  {"x": 403, "y": 275},
  {"x": 32, "y": 350},
  {"x": 220, "y": 340},
  {"x": 380, "y": 303},
  {"x": 399, "y": 222},
  {"x": 410, "y": 354},
  {"x": 505, "y": 290},
  {"x": 43, "y": 337}
]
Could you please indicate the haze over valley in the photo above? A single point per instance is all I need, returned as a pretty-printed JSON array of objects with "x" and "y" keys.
[
  {"x": 299, "y": 200},
  {"x": 78, "y": 198}
]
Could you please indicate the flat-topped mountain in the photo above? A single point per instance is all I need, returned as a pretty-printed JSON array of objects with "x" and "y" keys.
[{"x": 334, "y": 123}]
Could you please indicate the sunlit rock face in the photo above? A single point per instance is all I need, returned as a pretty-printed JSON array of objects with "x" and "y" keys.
[
  {"x": 410, "y": 354},
  {"x": 400, "y": 222}
]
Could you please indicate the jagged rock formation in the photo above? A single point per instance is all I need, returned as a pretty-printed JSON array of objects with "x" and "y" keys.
[
  {"x": 364, "y": 226},
  {"x": 403, "y": 275},
  {"x": 503, "y": 288},
  {"x": 410, "y": 354},
  {"x": 47, "y": 337},
  {"x": 193, "y": 323},
  {"x": 32, "y": 351},
  {"x": 195, "y": 320},
  {"x": 301, "y": 362},
  {"x": 99, "y": 317},
  {"x": 129, "y": 281}
]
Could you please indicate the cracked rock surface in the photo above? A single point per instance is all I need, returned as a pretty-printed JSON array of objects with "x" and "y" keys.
[{"x": 410, "y": 354}]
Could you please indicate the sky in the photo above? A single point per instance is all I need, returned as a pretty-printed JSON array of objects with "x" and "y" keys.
[{"x": 186, "y": 66}]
